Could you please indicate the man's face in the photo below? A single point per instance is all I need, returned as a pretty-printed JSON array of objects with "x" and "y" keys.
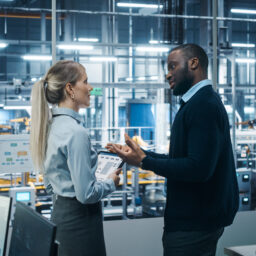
[{"x": 179, "y": 76}]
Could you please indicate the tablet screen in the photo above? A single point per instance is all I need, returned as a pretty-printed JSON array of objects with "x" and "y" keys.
[{"x": 107, "y": 163}]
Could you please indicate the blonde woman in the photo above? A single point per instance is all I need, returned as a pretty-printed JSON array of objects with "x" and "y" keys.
[{"x": 62, "y": 150}]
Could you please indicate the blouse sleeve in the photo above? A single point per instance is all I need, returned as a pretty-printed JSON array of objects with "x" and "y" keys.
[{"x": 79, "y": 158}]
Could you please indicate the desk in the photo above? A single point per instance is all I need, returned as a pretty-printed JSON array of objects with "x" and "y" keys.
[{"x": 246, "y": 250}]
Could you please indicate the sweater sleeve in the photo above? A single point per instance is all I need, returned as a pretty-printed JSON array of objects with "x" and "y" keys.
[
  {"x": 155, "y": 155},
  {"x": 203, "y": 148}
]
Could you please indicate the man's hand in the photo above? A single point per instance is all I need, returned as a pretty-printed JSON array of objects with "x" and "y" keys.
[
  {"x": 110, "y": 148},
  {"x": 115, "y": 176},
  {"x": 132, "y": 154}
]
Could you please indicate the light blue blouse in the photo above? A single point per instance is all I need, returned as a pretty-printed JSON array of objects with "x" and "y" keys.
[{"x": 71, "y": 161}]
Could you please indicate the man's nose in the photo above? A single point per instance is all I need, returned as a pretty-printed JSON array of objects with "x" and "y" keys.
[{"x": 168, "y": 77}]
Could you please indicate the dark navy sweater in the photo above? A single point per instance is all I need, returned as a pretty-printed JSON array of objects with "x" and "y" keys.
[{"x": 202, "y": 190}]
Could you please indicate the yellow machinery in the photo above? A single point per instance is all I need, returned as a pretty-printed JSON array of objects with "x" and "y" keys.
[
  {"x": 25, "y": 120},
  {"x": 5, "y": 129}
]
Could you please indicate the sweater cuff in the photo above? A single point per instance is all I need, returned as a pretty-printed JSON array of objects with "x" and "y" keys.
[{"x": 146, "y": 163}]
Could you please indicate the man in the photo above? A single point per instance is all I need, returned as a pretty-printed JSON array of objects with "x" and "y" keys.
[{"x": 202, "y": 190}]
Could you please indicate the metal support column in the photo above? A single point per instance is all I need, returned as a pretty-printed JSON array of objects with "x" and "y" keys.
[
  {"x": 214, "y": 43},
  {"x": 233, "y": 75},
  {"x": 43, "y": 38},
  {"x": 53, "y": 32},
  {"x": 124, "y": 201}
]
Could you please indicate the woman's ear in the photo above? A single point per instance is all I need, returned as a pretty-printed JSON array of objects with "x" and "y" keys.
[{"x": 69, "y": 89}]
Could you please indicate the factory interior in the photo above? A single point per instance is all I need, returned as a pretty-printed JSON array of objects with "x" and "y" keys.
[{"x": 124, "y": 46}]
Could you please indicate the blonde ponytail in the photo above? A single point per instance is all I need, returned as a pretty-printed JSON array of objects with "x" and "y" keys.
[{"x": 39, "y": 125}]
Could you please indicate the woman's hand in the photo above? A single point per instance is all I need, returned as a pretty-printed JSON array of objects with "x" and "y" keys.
[{"x": 115, "y": 176}]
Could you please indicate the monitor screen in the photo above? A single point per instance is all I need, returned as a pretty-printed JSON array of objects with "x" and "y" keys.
[
  {"x": 5, "y": 210},
  {"x": 23, "y": 196},
  {"x": 32, "y": 233}
]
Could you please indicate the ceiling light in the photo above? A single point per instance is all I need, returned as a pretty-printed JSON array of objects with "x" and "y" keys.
[
  {"x": 37, "y": 57},
  {"x": 82, "y": 39},
  {"x": 107, "y": 59},
  {"x": 152, "y": 49},
  {"x": 74, "y": 47},
  {"x": 243, "y": 11},
  {"x": 142, "y": 78},
  {"x": 17, "y": 107},
  {"x": 243, "y": 45},
  {"x": 154, "y": 42},
  {"x": 3, "y": 45},
  {"x": 249, "y": 110},
  {"x": 129, "y": 79},
  {"x": 244, "y": 60},
  {"x": 153, "y": 77},
  {"x": 33, "y": 79},
  {"x": 158, "y": 42},
  {"x": 136, "y": 5},
  {"x": 228, "y": 108}
]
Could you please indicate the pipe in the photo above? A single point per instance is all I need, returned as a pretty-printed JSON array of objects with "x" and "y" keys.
[
  {"x": 167, "y": 16},
  {"x": 214, "y": 44},
  {"x": 27, "y": 16},
  {"x": 53, "y": 32}
]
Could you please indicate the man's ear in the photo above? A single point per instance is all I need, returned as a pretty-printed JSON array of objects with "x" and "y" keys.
[{"x": 194, "y": 63}]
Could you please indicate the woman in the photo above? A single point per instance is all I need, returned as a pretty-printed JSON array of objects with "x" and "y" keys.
[{"x": 61, "y": 149}]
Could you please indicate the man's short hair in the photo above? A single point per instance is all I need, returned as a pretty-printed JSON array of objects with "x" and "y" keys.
[{"x": 194, "y": 50}]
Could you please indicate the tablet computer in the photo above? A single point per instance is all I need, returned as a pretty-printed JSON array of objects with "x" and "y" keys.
[{"x": 107, "y": 164}]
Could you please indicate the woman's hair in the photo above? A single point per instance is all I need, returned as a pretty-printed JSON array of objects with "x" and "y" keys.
[{"x": 50, "y": 89}]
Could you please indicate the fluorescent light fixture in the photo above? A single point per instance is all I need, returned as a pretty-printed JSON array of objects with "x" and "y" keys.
[
  {"x": 243, "y": 11},
  {"x": 228, "y": 108},
  {"x": 3, "y": 45},
  {"x": 136, "y": 5},
  {"x": 1, "y": 105},
  {"x": 152, "y": 49},
  {"x": 248, "y": 110},
  {"x": 243, "y": 45},
  {"x": 154, "y": 42},
  {"x": 17, "y": 107},
  {"x": 33, "y": 79},
  {"x": 221, "y": 90},
  {"x": 106, "y": 59},
  {"x": 153, "y": 77},
  {"x": 37, "y": 57},
  {"x": 74, "y": 47},
  {"x": 142, "y": 78},
  {"x": 82, "y": 111},
  {"x": 82, "y": 39},
  {"x": 245, "y": 60},
  {"x": 129, "y": 79},
  {"x": 158, "y": 42}
]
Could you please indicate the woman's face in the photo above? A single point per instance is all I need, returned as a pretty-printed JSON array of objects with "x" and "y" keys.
[{"x": 81, "y": 92}]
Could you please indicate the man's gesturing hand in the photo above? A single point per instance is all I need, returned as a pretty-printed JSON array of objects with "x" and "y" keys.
[{"x": 132, "y": 154}]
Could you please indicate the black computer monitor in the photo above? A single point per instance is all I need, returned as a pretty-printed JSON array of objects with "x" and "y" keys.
[
  {"x": 32, "y": 233},
  {"x": 5, "y": 212}
]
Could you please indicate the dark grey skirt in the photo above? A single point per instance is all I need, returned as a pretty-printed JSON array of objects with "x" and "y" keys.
[{"x": 79, "y": 228}]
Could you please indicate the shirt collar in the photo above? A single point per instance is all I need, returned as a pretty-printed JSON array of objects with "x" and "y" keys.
[
  {"x": 67, "y": 112},
  {"x": 194, "y": 89}
]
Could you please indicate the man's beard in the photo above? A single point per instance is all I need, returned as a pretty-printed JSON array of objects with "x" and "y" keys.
[{"x": 185, "y": 84}]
